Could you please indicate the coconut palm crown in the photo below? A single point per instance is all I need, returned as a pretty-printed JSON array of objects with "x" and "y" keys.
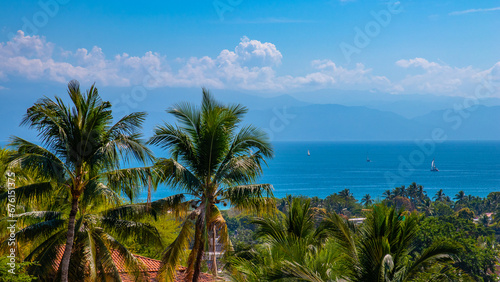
[
  {"x": 80, "y": 148},
  {"x": 213, "y": 160}
]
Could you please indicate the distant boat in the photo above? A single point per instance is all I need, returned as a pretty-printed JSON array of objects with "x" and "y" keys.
[
  {"x": 308, "y": 153},
  {"x": 368, "y": 160},
  {"x": 433, "y": 166}
]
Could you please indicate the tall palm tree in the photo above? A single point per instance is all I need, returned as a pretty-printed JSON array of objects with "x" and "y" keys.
[
  {"x": 366, "y": 200},
  {"x": 79, "y": 148},
  {"x": 213, "y": 160},
  {"x": 440, "y": 196},
  {"x": 98, "y": 236}
]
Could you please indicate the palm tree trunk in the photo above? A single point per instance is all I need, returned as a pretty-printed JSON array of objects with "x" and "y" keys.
[
  {"x": 199, "y": 258},
  {"x": 214, "y": 249},
  {"x": 69, "y": 240}
]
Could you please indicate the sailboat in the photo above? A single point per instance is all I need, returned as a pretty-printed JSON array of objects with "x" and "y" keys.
[
  {"x": 433, "y": 166},
  {"x": 368, "y": 160},
  {"x": 308, "y": 153}
]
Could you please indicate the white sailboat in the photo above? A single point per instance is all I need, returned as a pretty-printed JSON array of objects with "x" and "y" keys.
[
  {"x": 433, "y": 166},
  {"x": 308, "y": 153}
]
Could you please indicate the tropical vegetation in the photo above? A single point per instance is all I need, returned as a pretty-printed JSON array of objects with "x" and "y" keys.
[{"x": 78, "y": 207}]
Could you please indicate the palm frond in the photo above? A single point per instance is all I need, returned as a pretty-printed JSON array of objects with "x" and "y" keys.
[
  {"x": 218, "y": 221},
  {"x": 97, "y": 195},
  {"x": 253, "y": 197},
  {"x": 175, "y": 203},
  {"x": 29, "y": 193},
  {"x": 175, "y": 174},
  {"x": 144, "y": 233},
  {"x": 127, "y": 180},
  {"x": 37, "y": 158},
  {"x": 296, "y": 271},
  {"x": 175, "y": 251},
  {"x": 442, "y": 252}
]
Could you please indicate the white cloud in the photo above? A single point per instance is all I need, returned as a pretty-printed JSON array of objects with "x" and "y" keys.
[
  {"x": 457, "y": 13},
  {"x": 251, "y": 65},
  {"x": 254, "y": 52},
  {"x": 437, "y": 78}
]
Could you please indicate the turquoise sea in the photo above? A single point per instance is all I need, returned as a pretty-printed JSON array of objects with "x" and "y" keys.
[
  {"x": 472, "y": 166},
  {"x": 332, "y": 166}
]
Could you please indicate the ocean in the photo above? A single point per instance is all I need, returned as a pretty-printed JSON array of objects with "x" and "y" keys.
[{"x": 471, "y": 166}]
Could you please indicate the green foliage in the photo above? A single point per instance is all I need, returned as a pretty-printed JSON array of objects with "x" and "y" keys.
[
  {"x": 478, "y": 254},
  {"x": 19, "y": 275},
  {"x": 342, "y": 202},
  {"x": 443, "y": 209},
  {"x": 466, "y": 214},
  {"x": 383, "y": 248},
  {"x": 168, "y": 227}
]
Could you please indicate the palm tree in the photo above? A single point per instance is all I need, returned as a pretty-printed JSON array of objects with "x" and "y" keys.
[
  {"x": 426, "y": 206},
  {"x": 345, "y": 194},
  {"x": 400, "y": 191},
  {"x": 98, "y": 237},
  {"x": 382, "y": 248},
  {"x": 460, "y": 197},
  {"x": 388, "y": 194},
  {"x": 366, "y": 200},
  {"x": 421, "y": 194},
  {"x": 440, "y": 196},
  {"x": 412, "y": 192},
  {"x": 291, "y": 244},
  {"x": 213, "y": 160},
  {"x": 80, "y": 147}
]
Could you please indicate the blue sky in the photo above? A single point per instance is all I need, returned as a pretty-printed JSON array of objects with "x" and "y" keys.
[
  {"x": 263, "y": 48},
  {"x": 432, "y": 47}
]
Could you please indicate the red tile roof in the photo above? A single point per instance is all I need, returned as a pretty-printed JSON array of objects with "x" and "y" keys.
[{"x": 151, "y": 267}]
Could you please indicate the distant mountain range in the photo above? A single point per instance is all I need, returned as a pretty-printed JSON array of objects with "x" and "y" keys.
[
  {"x": 337, "y": 122},
  {"x": 320, "y": 116}
]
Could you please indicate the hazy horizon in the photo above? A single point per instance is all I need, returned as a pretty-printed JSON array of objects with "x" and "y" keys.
[{"x": 407, "y": 67}]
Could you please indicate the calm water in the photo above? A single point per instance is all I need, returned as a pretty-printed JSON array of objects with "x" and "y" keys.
[
  {"x": 470, "y": 166},
  {"x": 332, "y": 166}
]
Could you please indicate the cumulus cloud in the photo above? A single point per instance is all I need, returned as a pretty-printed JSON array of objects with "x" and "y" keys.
[
  {"x": 436, "y": 78},
  {"x": 251, "y": 65}
]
